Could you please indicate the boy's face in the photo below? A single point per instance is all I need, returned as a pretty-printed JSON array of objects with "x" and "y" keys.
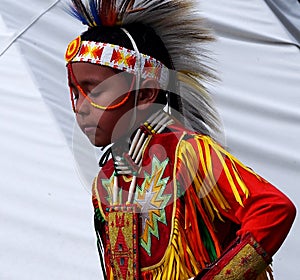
[{"x": 105, "y": 88}]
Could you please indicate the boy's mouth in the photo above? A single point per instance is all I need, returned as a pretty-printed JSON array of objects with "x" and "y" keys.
[{"x": 90, "y": 130}]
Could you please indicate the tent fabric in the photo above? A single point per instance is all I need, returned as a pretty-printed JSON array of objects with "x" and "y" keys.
[
  {"x": 46, "y": 224},
  {"x": 288, "y": 12}
]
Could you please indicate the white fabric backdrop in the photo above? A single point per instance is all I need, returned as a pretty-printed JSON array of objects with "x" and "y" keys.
[{"x": 46, "y": 223}]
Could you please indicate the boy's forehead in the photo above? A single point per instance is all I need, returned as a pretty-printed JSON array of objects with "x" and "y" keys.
[
  {"x": 91, "y": 74},
  {"x": 89, "y": 69}
]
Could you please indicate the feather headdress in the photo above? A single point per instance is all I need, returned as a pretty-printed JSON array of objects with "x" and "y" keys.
[{"x": 180, "y": 27}]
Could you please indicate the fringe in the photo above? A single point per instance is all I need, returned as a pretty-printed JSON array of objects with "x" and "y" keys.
[
  {"x": 203, "y": 178},
  {"x": 179, "y": 261}
]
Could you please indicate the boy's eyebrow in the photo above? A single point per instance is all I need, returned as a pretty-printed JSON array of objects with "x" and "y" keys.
[
  {"x": 85, "y": 82},
  {"x": 90, "y": 81}
]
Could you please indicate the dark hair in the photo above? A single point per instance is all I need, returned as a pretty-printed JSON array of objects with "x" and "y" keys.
[{"x": 147, "y": 41}]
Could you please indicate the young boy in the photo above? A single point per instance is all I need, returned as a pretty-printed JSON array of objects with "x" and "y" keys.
[{"x": 170, "y": 203}]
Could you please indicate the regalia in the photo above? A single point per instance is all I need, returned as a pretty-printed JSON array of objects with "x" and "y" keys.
[
  {"x": 170, "y": 202},
  {"x": 186, "y": 192}
]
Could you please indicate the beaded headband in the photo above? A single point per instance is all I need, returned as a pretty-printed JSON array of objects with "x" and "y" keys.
[{"x": 117, "y": 57}]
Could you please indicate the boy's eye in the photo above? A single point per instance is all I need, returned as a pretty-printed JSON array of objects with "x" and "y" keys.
[{"x": 94, "y": 94}]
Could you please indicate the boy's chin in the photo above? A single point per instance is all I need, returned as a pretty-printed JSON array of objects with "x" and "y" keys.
[{"x": 98, "y": 142}]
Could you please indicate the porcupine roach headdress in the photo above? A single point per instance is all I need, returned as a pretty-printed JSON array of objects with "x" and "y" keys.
[{"x": 178, "y": 24}]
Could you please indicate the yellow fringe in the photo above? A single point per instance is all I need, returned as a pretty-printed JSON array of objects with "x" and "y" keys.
[
  {"x": 206, "y": 183},
  {"x": 174, "y": 264}
]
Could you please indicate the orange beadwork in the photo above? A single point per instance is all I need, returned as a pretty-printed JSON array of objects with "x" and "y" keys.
[{"x": 73, "y": 49}]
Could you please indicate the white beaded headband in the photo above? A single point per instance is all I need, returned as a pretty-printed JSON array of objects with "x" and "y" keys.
[{"x": 117, "y": 57}]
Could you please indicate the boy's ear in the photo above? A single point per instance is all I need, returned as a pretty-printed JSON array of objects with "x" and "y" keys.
[{"x": 147, "y": 94}]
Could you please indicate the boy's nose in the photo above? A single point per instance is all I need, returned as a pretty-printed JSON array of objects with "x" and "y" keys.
[{"x": 82, "y": 106}]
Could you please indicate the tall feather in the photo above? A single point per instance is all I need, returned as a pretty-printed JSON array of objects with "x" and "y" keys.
[
  {"x": 82, "y": 12},
  {"x": 94, "y": 11},
  {"x": 126, "y": 6},
  {"x": 100, "y": 12},
  {"x": 108, "y": 12}
]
